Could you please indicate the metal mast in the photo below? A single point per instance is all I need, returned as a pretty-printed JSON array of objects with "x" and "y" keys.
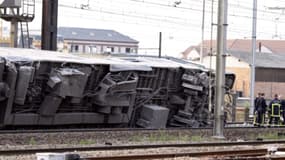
[
  {"x": 220, "y": 70},
  {"x": 253, "y": 50},
  {"x": 49, "y": 25},
  {"x": 202, "y": 36}
]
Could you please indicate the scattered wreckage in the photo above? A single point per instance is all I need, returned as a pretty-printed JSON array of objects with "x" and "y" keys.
[{"x": 39, "y": 88}]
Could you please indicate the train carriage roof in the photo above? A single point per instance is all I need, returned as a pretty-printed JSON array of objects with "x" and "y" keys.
[{"x": 117, "y": 63}]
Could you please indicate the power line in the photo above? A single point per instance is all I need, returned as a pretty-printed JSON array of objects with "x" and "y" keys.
[
  {"x": 183, "y": 19},
  {"x": 179, "y": 24}
]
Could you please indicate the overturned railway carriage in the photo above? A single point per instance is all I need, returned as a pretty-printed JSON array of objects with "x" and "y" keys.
[{"x": 48, "y": 88}]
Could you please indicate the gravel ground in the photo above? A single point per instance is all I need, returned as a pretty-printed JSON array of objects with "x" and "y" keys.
[
  {"x": 133, "y": 137},
  {"x": 149, "y": 151},
  {"x": 73, "y": 139}
]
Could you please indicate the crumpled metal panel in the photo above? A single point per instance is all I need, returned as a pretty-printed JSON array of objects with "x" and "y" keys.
[
  {"x": 153, "y": 116},
  {"x": 66, "y": 89},
  {"x": 68, "y": 81},
  {"x": 116, "y": 89},
  {"x": 25, "y": 75},
  {"x": 50, "y": 105},
  {"x": 2, "y": 67},
  {"x": 4, "y": 91}
]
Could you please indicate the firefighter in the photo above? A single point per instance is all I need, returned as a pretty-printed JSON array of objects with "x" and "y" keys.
[
  {"x": 259, "y": 109},
  {"x": 275, "y": 111}
]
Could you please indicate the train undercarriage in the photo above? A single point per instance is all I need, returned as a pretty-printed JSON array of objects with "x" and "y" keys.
[{"x": 39, "y": 88}]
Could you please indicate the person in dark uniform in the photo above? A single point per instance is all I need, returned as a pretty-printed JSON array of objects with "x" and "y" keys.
[
  {"x": 259, "y": 109},
  {"x": 275, "y": 110},
  {"x": 255, "y": 110},
  {"x": 282, "y": 111}
]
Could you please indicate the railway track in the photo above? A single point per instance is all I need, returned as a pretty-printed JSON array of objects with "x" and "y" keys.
[
  {"x": 16, "y": 131},
  {"x": 131, "y": 147},
  {"x": 256, "y": 154},
  {"x": 93, "y": 130}
]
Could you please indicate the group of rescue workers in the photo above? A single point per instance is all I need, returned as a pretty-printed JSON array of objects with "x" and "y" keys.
[{"x": 275, "y": 111}]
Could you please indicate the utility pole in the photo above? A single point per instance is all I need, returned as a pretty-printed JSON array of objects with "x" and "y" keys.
[
  {"x": 159, "y": 45},
  {"x": 49, "y": 25},
  {"x": 253, "y": 50},
  {"x": 220, "y": 70},
  {"x": 202, "y": 36}
]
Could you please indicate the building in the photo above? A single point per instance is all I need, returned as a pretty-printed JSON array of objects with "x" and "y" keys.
[
  {"x": 269, "y": 72},
  {"x": 83, "y": 40},
  {"x": 5, "y": 40},
  {"x": 270, "y": 66},
  {"x": 241, "y": 45}
]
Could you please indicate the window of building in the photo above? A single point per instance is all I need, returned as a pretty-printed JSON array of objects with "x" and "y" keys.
[
  {"x": 76, "y": 48},
  {"x": 110, "y": 49},
  {"x": 128, "y": 50},
  {"x": 134, "y": 50},
  {"x": 72, "y": 48},
  {"x": 92, "y": 49}
]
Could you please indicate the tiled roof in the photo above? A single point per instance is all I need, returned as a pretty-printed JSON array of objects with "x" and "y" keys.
[
  {"x": 263, "y": 60},
  {"x": 242, "y": 45},
  {"x": 87, "y": 34}
]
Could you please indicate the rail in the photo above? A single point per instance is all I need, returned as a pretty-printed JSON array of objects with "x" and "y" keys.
[
  {"x": 22, "y": 131},
  {"x": 224, "y": 153},
  {"x": 131, "y": 147}
]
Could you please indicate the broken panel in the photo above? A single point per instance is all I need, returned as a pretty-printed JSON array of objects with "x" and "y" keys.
[
  {"x": 25, "y": 74},
  {"x": 153, "y": 116},
  {"x": 116, "y": 89},
  {"x": 68, "y": 81},
  {"x": 50, "y": 105}
]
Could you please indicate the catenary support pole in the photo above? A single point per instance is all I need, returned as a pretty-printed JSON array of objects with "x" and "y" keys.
[
  {"x": 49, "y": 25},
  {"x": 202, "y": 36},
  {"x": 159, "y": 45},
  {"x": 253, "y": 50},
  {"x": 220, "y": 71}
]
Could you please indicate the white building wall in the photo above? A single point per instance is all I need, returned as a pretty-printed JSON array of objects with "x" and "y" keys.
[
  {"x": 80, "y": 48},
  {"x": 123, "y": 49},
  {"x": 104, "y": 49},
  {"x": 98, "y": 48},
  {"x": 101, "y": 46},
  {"x": 116, "y": 49}
]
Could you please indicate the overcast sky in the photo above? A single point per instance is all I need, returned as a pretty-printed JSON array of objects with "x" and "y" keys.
[{"x": 180, "y": 25}]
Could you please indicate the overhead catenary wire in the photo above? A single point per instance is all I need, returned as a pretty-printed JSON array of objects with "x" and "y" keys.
[
  {"x": 236, "y": 30},
  {"x": 187, "y": 9},
  {"x": 126, "y": 12}
]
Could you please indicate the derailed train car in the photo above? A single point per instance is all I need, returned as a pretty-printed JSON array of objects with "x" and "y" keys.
[{"x": 42, "y": 88}]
